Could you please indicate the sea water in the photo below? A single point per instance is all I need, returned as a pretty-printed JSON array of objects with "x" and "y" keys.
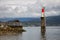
[{"x": 34, "y": 33}]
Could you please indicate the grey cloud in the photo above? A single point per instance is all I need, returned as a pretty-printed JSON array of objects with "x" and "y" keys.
[
  {"x": 55, "y": 8},
  {"x": 31, "y": 10}
]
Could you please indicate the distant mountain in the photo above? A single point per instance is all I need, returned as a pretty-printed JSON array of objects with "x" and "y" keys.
[
  {"x": 20, "y": 19},
  {"x": 51, "y": 21}
]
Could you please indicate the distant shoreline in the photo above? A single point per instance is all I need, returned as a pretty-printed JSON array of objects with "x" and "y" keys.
[{"x": 40, "y": 26}]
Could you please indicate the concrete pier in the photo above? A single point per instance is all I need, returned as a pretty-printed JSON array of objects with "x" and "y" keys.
[{"x": 43, "y": 28}]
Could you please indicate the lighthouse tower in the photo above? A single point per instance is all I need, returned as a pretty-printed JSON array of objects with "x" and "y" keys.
[{"x": 43, "y": 24}]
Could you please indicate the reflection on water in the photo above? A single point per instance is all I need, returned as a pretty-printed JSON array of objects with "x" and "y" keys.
[
  {"x": 43, "y": 35},
  {"x": 34, "y": 33},
  {"x": 11, "y": 37}
]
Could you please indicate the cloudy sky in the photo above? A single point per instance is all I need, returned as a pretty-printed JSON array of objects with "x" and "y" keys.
[{"x": 28, "y": 8}]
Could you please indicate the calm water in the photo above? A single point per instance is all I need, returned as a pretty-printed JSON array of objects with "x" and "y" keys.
[{"x": 33, "y": 33}]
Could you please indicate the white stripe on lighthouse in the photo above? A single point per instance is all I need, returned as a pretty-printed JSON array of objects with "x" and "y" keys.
[{"x": 43, "y": 15}]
